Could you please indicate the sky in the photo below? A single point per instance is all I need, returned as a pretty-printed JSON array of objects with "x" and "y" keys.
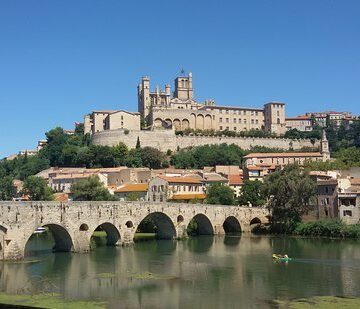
[{"x": 61, "y": 59}]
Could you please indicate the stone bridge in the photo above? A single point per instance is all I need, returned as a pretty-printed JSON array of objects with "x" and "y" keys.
[{"x": 73, "y": 223}]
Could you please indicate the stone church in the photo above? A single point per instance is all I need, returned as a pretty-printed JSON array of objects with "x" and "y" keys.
[{"x": 180, "y": 110}]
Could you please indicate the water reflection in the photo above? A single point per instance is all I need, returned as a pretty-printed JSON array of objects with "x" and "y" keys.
[{"x": 202, "y": 271}]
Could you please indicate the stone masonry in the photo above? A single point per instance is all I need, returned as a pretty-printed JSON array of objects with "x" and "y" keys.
[
  {"x": 166, "y": 139},
  {"x": 73, "y": 223}
]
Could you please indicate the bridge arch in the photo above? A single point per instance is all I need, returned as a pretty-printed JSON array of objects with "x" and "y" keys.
[
  {"x": 232, "y": 225},
  {"x": 200, "y": 224},
  {"x": 3, "y": 231},
  {"x": 112, "y": 233},
  {"x": 63, "y": 241},
  {"x": 165, "y": 228},
  {"x": 255, "y": 220}
]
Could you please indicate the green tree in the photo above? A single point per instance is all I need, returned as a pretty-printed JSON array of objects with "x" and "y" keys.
[
  {"x": 134, "y": 158},
  {"x": 152, "y": 157},
  {"x": 290, "y": 193},
  {"x": 7, "y": 189},
  {"x": 37, "y": 189},
  {"x": 220, "y": 194},
  {"x": 90, "y": 189},
  {"x": 252, "y": 192},
  {"x": 138, "y": 143},
  {"x": 119, "y": 152}
]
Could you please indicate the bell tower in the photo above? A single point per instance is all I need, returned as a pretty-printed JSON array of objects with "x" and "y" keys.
[
  {"x": 184, "y": 87},
  {"x": 324, "y": 147}
]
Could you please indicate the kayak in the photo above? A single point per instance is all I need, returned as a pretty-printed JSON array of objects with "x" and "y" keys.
[{"x": 278, "y": 257}]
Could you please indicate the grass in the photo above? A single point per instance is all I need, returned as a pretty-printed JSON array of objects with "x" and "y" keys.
[
  {"x": 49, "y": 300},
  {"x": 321, "y": 302}
]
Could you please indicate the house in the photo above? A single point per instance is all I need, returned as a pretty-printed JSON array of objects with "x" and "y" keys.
[
  {"x": 300, "y": 123},
  {"x": 236, "y": 182},
  {"x": 132, "y": 192},
  {"x": 327, "y": 198},
  {"x": 164, "y": 188}
]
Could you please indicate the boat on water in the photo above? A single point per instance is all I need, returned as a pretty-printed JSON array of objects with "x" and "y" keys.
[
  {"x": 40, "y": 230},
  {"x": 281, "y": 258}
]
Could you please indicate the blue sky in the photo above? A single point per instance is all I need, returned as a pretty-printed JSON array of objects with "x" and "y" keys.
[{"x": 62, "y": 59}]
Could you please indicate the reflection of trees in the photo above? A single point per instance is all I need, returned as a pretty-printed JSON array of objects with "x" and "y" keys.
[
  {"x": 201, "y": 243},
  {"x": 232, "y": 240}
]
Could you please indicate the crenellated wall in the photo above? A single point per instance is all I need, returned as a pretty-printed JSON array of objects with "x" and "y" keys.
[
  {"x": 73, "y": 223},
  {"x": 166, "y": 139}
]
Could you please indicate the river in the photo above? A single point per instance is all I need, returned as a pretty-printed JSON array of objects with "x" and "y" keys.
[{"x": 200, "y": 272}]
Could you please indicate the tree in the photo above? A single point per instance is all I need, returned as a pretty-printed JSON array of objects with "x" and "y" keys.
[
  {"x": 7, "y": 189},
  {"x": 37, "y": 189},
  {"x": 138, "y": 143},
  {"x": 152, "y": 157},
  {"x": 119, "y": 152},
  {"x": 90, "y": 189},
  {"x": 252, "y": 192},
  {"x": 220, "y": 194},
  {"x": 290, "y": 193}
]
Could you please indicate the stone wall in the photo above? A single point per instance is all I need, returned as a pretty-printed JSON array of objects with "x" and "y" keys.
[
  {"x": 73, "y": 223},
  {"x": 166, "y": 139}
]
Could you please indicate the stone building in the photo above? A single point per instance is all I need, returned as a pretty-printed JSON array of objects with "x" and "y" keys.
[
  {"x": 300, "y": 123},
  {"x": 164, "y": 188},
  {"x": 180, "y": 110},
  {"x": 99, "y": 121},
  {"x": 327, "y": 198}
]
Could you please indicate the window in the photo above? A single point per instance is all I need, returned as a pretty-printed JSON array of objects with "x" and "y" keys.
[
  {"x": 256, "y": 121},
  {"x": 220, "y": 119},
  {"x": 221, "y": 128},
  {"x": 220, "y": 111},
  {"x": 234, "y": 128},
  {"x": 227, "y": 111},
  {"x": 347, "y": 213},
  {"x": 244, "y": 120},
  {"x": 227, "y": 120},
  {"x": 252, "y": 121},
  {"x": 234, "y": 120},
  {"x": 239, "y": 120}
]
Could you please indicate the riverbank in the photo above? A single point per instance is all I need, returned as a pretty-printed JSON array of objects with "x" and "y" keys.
[{"x": 332, "y": 228}]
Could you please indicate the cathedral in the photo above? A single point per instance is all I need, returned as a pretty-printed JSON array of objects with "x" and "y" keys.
[{"x": 180, "y": 110}]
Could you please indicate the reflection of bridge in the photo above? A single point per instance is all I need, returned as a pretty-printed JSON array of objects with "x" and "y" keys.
[{"x": 73, "y": 223}]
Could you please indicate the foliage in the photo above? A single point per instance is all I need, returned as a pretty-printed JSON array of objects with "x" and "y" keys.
[
  {"x": 290, "y": 192},
  {"x": 37, "y": 189},
  {"x": 348, "y": 156},
  {"x": 7, "y": 189},
  {"x": 252, "y": 192},
  {"x": 90, "y": 189},
  {"x": 328, "y": 228},
  {"x": 193, "y": 228},
  {"x": 133, "y": 196},
  {"x": 325, "y": 166},
  {"x": 220, "y": 194},
  {"x": 208, "y": 155},
  {"x": 152, "y": 157}
]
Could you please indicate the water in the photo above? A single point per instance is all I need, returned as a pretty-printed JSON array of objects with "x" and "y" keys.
[{"x": 201, "y": 272}]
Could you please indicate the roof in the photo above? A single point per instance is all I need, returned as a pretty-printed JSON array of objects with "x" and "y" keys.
[
  {"x": 299, "y": 118},
  {"x": 324, "y": 182},
  {"x": 123, "y": 111},
  {"x": 73, "y": 176},
  {"x": 180, "y": 179},
  {"x": 235, "y": 180},
  {"x": 231, "y": 107},
  {"x": 209, "y": 177},
  {"x": 133, "y": 187},
  {"x": 355, "y": 181},
  {"x": 198, "y": 196},
  {"x": 61, "y": 197},
  {"x": 282, "y": 154}
]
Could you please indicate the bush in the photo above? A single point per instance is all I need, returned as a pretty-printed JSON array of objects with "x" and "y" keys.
[{"x": 328, "y": 228}]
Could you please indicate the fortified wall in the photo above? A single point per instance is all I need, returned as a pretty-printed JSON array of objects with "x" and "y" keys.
[{"x": 167, "y": 139}]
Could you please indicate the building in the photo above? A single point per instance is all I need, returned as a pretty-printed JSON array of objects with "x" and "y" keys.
[
  {"x": 99, "y": 121},
  {"x": 327, "y": 198},
  {"x": 180, "y": 110},
  {"x": 132, "y": 192},
  {"x": 164, "y": 188},
  {"x": 235, "y": 183},
  {"x": 337, "y": 118},
  {"x": 300, "y": 123}
]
